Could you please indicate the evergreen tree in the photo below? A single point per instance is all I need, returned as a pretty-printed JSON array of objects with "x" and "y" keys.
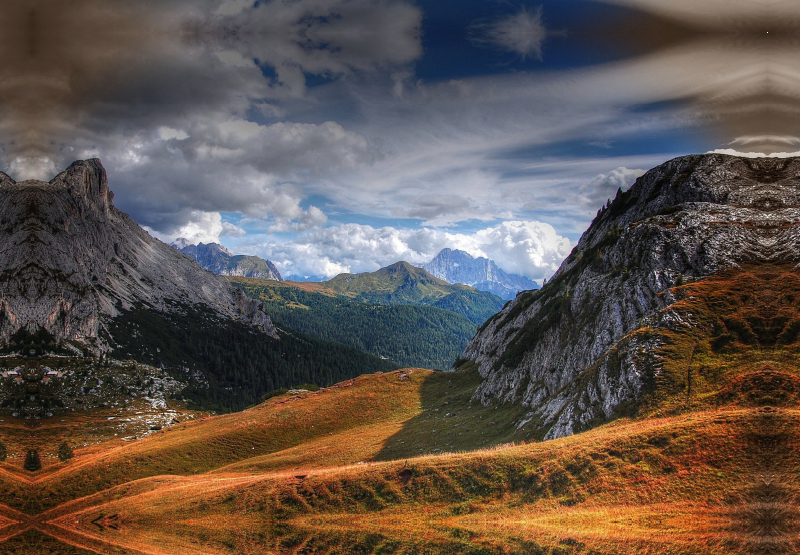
[
  {"x": 65, "y": 452},
  {"x": 32, "y": 461}
]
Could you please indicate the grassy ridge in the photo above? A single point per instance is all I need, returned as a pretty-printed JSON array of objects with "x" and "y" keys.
[
  {"x": 403, "y": 284},
  {"x": 711, "y": 463},
  {"x": 370, "y": 405},
  {"x": 411, "y": 336},
  {"x": 674, "y": 485}
]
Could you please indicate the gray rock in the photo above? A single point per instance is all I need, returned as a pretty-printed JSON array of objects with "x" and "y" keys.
[
  {"x": 456, "y": 266},
  {"x": 70, "y": 260},
  {"x": 568, "y": 352},
  {"x": 216, "y": 258}
]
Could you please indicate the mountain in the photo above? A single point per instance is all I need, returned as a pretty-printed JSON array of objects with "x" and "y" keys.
[
  {"x": 299, "y": 278},
  {"x": 455, "y": 266},
  {"x": 683, "y": 295},
  {"x": 216, "y": 258},
  {"x": 698, "y": 256},
  {"x": 70, "y": 262},
  {"x": 411, "y": 336},
  {"x": 78, "y": 276},
  {"x": 402, "y": 283}
]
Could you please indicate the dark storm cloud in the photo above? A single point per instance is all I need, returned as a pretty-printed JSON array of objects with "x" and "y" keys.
[
  {"x": 738, "y": 60},
  {"x": 162, "y": 92}
]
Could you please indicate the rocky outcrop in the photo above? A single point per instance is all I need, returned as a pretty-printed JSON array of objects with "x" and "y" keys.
[
  {"x": 70, "y": 260},
  {"x": 577, "y": 352},
  {"x": 455, "y": 266},
  {"x": 216, "y": 258}
]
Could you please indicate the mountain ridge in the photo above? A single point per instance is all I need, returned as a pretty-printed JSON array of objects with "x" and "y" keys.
[
  {"x": 457, "y": 266},
  {"x": 590, "y": 345},
  {"x": 70, "y": 260},
  {"x": 403, "y": 283},
  {"x": 216, "y": 258}
]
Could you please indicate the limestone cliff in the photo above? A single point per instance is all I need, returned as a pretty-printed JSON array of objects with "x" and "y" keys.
[
  {"x": 70, "y": 260},
  {"x": 216, "y": 258},
  {"x": 570, "y": 352},
  {"x": 456, "y": 266}
]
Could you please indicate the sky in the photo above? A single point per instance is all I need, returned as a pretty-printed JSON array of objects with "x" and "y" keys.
[{"x": 338, "y": 136}]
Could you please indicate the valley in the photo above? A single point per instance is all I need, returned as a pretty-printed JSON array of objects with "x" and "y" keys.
[{"x": 645, "y": 400}]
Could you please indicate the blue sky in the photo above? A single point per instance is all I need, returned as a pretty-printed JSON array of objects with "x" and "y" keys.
[{"x": 344, "y": 135}]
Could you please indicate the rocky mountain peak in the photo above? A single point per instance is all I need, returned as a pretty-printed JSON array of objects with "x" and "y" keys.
[
  {"x": 216, "y": 258},
  {"x": 457, "y": 266},
  {"x": 585, "y": 348},
  {"x": 70, "y": 260}
]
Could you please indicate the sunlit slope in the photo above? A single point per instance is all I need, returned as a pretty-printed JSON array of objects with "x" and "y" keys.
[
  {"x": 708, "y": 462},
  {"x": 687, "y": 484},
  {"x": 380, "y": 402}
]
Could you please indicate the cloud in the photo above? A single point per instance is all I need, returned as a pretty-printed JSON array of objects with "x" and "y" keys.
[
  {"x": 231, "y": 230},
  {"x": 732, "y": 152},
  {"x": 230, "y": 166},
  {"x": 604, "y": 186},
  {"x": 202, "y": 227},
  {"x": 169, "y": 95},
  {"x": 525, "y": 247},
  {"x": 522, "y": 33}
]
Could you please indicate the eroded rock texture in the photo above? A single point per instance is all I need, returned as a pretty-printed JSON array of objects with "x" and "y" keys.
[
  {"x": 69, "y": 260},
  {"x": 570, "y": 352}
]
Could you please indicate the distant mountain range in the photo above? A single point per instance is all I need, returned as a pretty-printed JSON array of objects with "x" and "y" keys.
[
  {"x": 402, "y": 283},
  {"x": 216, "y": 258},
  {"x": 455, "y": 266}
]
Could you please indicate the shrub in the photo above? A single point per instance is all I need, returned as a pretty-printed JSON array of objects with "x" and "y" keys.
[
  {"x": 32, "y": 461},
  {"x": 65, "y": 452}
]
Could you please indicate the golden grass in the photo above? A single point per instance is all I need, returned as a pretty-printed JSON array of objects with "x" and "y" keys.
[{"x": 711, "y": 464}]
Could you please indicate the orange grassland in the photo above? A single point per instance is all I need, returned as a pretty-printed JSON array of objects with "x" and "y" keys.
[{"x": 708, "y": 464}]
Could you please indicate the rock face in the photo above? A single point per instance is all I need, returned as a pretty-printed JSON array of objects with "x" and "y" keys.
[
  {"x": 575, "y": 353},
  {"x": 455, "y": 266},
  {"x": 69, "y": 261},
  {"x": 216, "y": 258}
]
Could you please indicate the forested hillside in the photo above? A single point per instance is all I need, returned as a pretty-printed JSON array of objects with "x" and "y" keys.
[
  {"x": 231, "y": 366},
  {"x": 402, "y": 283},
  {"x": 419, "y": 336}
]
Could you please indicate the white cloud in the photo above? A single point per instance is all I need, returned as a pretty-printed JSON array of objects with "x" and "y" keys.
[
  {"x": 204, "y": 227},
  {"x": 231, "y": 230},
  {"x": 522, "y": 33},
  {"x": 233, "y": 166},
  {"x": 533, "y": 249},
  {"x": 733, "y": 152},
  {"x": 42, "y": 168},
  {"x": 525, "y": 247},
  {"x": 167, "y": 133},
  {"x": 604, "y": 186}
]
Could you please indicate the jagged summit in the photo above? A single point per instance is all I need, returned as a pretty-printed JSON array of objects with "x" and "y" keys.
[
  {"x": 587, "y": 346},
  {"x": 457, "y": 266},
  {"x": 216, "y": 258},
  {"x": 70, "y": 260}
]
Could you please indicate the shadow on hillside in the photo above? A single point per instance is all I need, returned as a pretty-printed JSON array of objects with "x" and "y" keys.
[{"x": 450, "y": 421}]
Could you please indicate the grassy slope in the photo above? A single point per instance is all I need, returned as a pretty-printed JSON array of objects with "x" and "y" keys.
[
  {"x": 711, "y": 464},
  {"x": 402, "y": 283},
  {"x": 671, "y": 485},
  {"x": 411, "y": 336}
]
